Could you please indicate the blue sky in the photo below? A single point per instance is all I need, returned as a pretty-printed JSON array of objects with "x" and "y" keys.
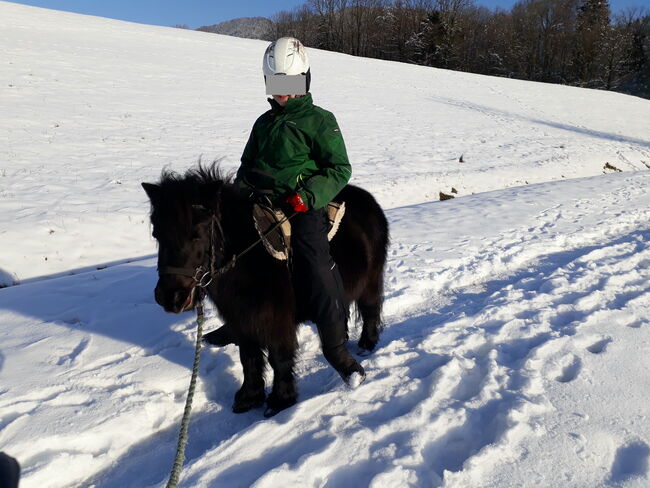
[{"x": 196, "y": 13}]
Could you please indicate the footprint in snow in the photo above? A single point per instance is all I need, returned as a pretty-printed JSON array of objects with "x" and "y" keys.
[
  {"x": 631, "y": 461},
  {"x": 599, "y": 346},
  {"x": 580, "y": 443},
  {"x": 74, "y": 354},
  {"x": 636, "y": 324},
  {"x": 569, "y": 368}
]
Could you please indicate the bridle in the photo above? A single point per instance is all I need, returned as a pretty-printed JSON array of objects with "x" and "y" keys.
[{"x": 204, "y": 274}]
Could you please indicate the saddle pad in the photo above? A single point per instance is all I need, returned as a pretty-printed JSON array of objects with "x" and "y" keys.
[
  {"x": 275, "y": 230},
  {"x": 276, "y": 241},
  {"x": 335, "y": 213}
]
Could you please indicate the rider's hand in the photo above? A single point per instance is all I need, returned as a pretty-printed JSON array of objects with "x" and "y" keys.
[{"x": 295, "y": 201}]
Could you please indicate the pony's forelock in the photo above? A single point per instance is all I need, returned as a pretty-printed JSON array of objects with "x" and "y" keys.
[{"x": 172, "y": 212}]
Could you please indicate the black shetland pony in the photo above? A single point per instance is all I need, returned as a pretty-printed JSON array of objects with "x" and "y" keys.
[{"x": 201, "y": 220}]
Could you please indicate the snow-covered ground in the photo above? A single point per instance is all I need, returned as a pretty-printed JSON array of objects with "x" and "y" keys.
[{"x": 516, "y": 347}]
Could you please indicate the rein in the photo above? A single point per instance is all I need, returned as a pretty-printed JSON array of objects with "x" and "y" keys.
[{"x": 203, "y": 275}]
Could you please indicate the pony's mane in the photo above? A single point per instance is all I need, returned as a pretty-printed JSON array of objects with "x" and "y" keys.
[
  {"x": 201, "y": 175},
  {"x": 172, "y": 214}
]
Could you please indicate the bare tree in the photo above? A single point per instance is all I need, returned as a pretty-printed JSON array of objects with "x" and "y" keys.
[{"x": 561, "y": 41}]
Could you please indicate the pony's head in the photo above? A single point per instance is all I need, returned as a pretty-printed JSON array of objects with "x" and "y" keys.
[{"x": 185, "y": 219}]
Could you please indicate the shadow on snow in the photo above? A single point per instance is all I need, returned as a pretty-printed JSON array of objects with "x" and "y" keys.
[{"x": 118, "y": 303}]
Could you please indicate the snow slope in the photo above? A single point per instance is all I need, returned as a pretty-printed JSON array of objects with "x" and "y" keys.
[{"x": 515, "y": 351}]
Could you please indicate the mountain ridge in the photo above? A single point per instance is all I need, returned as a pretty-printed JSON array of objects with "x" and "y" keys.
[{"x": 245, "y": 27}]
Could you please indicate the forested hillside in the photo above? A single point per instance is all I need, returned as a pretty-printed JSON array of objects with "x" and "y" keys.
[{"x": 574, "y": 42}]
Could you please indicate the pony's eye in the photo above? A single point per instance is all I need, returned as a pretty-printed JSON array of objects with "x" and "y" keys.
[{"x": 199, "y": 213}]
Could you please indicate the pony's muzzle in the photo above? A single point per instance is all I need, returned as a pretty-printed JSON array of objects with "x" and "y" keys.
[{"x": 174, "y": 300}]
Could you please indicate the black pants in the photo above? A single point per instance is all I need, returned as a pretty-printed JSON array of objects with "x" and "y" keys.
[
  {"x": 316, "y": 277},
  {"x": 9, "y": 471}
]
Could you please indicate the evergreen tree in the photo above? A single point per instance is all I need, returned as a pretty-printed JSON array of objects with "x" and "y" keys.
[
  {"x": 641, "y": 55},
  {"x": 592, "y": 29}
]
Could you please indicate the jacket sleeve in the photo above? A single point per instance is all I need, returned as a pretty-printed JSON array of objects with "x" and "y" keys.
[
  {"x": 328, "y": 151},
  {"x": 248, "y": 156}
]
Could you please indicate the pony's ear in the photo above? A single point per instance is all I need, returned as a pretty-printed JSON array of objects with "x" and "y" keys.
[{"x": 152, "y": 191}]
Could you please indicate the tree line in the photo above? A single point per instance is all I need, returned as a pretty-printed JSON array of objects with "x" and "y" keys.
[{"x": 575, "y": 42}]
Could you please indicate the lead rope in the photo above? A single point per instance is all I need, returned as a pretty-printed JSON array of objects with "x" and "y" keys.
[
  {"x": 182, "y": 436},
  {"x": 200, "y": 320}
]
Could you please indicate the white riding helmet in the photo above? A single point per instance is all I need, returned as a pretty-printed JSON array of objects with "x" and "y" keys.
[{"x": 286, "y": 56}]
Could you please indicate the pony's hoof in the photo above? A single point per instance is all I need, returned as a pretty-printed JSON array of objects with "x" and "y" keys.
[
  {"x": 366, "y": 344},
  {"x": 243, "y": 405},
  {"x": 363, "y": 352},
  {"x": 275, "y": 405},
  {"x": 270, "y": 412}
]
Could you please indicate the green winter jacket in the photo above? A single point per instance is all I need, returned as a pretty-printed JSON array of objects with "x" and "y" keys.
[{"x": 298, "y": 147}]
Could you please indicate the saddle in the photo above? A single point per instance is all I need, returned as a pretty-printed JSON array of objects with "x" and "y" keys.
[{"x": 274, "y": 227}]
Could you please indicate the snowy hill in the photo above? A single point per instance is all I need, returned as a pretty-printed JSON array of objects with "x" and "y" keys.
[
  {"x": 92, "y": 107},
  {"x": 517, "y": 315}
]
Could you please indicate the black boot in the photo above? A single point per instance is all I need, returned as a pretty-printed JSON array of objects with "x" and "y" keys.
[
  {"x": 221, "y": 337},
  {"x": 343, "y": 362},
  {"x": 333, "y": 340},
  {"x": 9, "y": 471}
]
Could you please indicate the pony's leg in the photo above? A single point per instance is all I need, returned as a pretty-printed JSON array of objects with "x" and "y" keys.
[
  {"x": 369, "y": 307},
  {"x": 251, "y": 394},
  {"x": 284, "y": 393}
]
